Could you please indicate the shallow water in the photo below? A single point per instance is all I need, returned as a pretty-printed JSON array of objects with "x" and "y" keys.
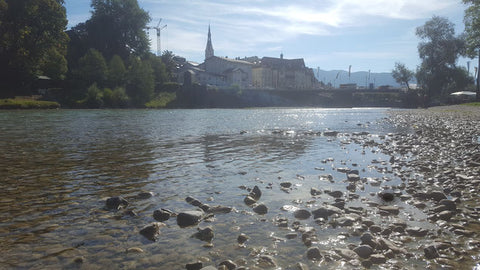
[{"x": 58, "y": 167}]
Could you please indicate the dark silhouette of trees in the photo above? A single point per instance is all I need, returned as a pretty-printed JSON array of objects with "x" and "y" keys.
[{"x": 32, "y": 43}]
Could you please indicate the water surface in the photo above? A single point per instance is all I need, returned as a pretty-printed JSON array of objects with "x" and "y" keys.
[{"x": 59, "y": 166}]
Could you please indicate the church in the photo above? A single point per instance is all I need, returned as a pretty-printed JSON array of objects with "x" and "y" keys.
[{"x": 250, "y": 73}]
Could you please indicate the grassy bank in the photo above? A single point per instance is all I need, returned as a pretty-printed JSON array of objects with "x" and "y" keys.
[
  {"x": 13, "y": 104},
  {"x": 161, "y": 100},
  {"x": 477, "y": 104}
]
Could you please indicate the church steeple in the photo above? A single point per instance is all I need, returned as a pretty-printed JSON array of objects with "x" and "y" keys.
[{"x": 209, "y": 49}]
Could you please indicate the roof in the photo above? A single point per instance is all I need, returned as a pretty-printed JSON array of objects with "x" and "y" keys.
[
  {"x": 280, "y": 62},
  {"x": 231, "y": 60}
]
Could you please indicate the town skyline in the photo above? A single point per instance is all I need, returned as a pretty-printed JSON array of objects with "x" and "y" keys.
[{"x": 331, "y": 35}]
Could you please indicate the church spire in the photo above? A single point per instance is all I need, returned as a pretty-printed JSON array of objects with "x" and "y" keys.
[{"x": 209, "y": 49}]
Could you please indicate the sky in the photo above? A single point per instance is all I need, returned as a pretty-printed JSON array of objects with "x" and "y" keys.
[{"x": 327, "y": 34}]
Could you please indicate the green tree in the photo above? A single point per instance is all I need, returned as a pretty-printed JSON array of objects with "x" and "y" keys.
[
  {"x": 159, "y": 71},
  {"x": 116, "y": 71},
  {"x": 439, "y": 51},
  {"x": 472, "y": 33},
  {"x": 54, "y": 64},
  {"x": 169, "y": 62},
  {"x": 141, "y": 82},
  {"x": 402, "y": 74},
  {"x": 117, "y": 27},
  {"x": 30, "y": 30},
  {"x": 92, "y": 68},
  {"x": 94, "y": 97}
]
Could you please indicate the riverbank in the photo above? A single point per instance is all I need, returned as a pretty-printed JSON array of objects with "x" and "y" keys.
[{"x": 25, "y": 104}]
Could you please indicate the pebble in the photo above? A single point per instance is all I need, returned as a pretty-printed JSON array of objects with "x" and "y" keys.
[
  {"x": 189, "y": 218},
  {"x": 313, "y": 253},
  {"x": 260, "y": 209},
  {"x": 302, "y": 214}
]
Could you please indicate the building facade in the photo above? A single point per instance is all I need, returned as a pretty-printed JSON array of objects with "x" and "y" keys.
[{"x": 252, "y": 72}]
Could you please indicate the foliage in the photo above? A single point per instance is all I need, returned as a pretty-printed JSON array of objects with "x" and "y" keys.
[
  {"x": 116, "y": 71},
  {"x": 168, "y": 60},
  {"x": 30, "y": 31},
  {"x": 8, "y": 104},
  {"x": 117, "y": 27},
  {"x": 115, "y": 99},
  {"x": 402, "y": 74},
  {"x": 159, "y": 71},
  {"x": 140, "y": 82},
  {"x": 161, "y": 100},
  {"x": 54, "y": 64},
  {"x": 472, "y": 27},
  {"x": 92, "y": 68},
  {"x": 439, "y": 51},
  {"x": 94, "y": 98}
]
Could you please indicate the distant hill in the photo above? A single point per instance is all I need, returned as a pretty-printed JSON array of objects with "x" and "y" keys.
[{"x": 361, "y": 78}]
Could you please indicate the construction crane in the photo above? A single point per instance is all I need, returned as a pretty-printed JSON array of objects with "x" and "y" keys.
[{"x": 159, "y": 29}]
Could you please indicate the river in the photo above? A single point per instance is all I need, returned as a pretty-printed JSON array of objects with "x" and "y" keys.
[{"x": 58, "y": 167}]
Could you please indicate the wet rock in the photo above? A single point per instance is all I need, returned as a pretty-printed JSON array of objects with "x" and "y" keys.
[
  {"x": 394, "y": 210},
  {"x": 116, "y": 203},
  {"x": 162, "y": 215},
  {"x": 326, "y": 211},
  {"x": 463, "y": 232},
  {"x": 205, "y": 234},
  {"x": 330, "y": 133},
  {"x": 194, "y": 266},
  {"x": 315, "y": 192},
  {"x": 302, "y": 214},
  {"x": 291, "y": 236},
  {"x": 242, "y": 238},
  {"x": 301, "y": 266},
  {"x": 436, "y": 195},
  {"x": 134, "y": 250},
  {"x": 375, "y": 229},
  {"x": 445, "y": 215},
  {"x": 219, "y": 209},
  {"x": 378, "y": 259},
  {"x": 209, "y": 268},
  {"x": 431, "y": 252},
  {"x": 151, "y": 231},
  {"x": 346, "y": 253},
  {"x": 335, "y": 194},
  {"x": 417, "y": 231},
  {"x": 256, "y": 193},
  {"x": 189, "y": 218},
  {"x": 313, "y": 253},
  {"x": 286, "y": 184},
  {"x": 387, "y": 195},
  {"x": 260, "y": 209},
  {"x": 144, "y": 195},
  {"x": 229, "y": 264},
  {"x": 363, "y": 251},
  {"x": 265, "y": 261},
  {"x": 193, "y": 201},
  {"x": 249, "y": 200},
  {"x": 353, "y": 177},
  {"x": 449, "y": 204},
  {"x": 344, "y": 221},
  {"x": 386, "y": 244}
]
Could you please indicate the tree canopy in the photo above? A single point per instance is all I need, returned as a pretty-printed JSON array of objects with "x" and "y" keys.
[
  {"x": 32, "y": 43},
  {"x": 402, "y": 74},
  {"x": 439, "y": 50},
  {"x": 117, "y": 27}
]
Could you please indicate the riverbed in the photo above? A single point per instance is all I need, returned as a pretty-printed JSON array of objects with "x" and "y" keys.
[{"x": 59, "y": 167}]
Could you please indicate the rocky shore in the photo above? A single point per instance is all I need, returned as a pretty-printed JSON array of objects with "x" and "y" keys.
[{"x": 423, "y": 213}]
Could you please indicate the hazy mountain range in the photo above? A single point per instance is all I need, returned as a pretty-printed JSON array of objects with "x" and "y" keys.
[{"x": 361, "y": 78}]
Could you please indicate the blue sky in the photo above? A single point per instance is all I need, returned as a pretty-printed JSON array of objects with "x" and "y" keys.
[{"x": 330, "y": 34}]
